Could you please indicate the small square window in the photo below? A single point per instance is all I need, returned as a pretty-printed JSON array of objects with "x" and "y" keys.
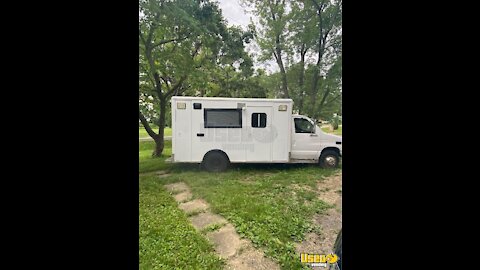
[
  {"x": 259, "y": 120},
  {"x": 197, "y": 106}
]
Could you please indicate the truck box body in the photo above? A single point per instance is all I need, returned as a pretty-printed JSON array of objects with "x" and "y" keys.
[{"x": 246, "y": 129}]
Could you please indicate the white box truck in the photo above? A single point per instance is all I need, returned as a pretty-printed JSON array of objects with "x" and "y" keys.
[{"x": 218, "y": 131}]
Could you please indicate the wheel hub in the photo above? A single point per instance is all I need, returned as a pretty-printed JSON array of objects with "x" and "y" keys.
[{"x": 331, "y": 161}]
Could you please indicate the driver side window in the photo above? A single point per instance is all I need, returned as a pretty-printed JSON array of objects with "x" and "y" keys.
[{"x": 303, "y": 126}]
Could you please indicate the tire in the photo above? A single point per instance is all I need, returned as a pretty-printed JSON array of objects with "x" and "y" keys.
[
  {"x": 338, "y": 250},
  {"x": 215, "y": 162},
  {"x": 329, "y": 159}
]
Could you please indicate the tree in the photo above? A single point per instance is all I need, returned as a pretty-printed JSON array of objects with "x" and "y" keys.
[
  {"x": 328, "y": 45},
  {"x": 307, "y": 34},
  {"x": 303, "y": 25},
  {"x": 176, "y": 38},
  {"x": 271, "y": 36}
]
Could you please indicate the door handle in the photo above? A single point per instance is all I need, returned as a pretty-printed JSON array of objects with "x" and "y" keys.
[{"x": 200, "y": 134}]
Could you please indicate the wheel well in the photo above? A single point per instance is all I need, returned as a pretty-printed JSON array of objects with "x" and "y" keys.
[
  {"x": 218, "y": 151},
  {"x": 332, "y": 149}
]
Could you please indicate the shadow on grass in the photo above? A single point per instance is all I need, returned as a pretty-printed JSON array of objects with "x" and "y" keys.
[{"x": 260, "y": 167}]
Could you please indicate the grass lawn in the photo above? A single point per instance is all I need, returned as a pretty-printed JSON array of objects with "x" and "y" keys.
[
  {"x": 272, "y": 205},
  {"x": 166, "y": 238},
  {"x": 142, "y": 133},
  {"x": 336, "y": 132},
  {"x": 147, "y": 163}
]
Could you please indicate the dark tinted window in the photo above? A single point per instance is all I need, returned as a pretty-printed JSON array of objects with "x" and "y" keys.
[
  {"x": 303, "y": 126},
  {"x": 259, "y": 120},
  {"x": 222, "y": 118}
]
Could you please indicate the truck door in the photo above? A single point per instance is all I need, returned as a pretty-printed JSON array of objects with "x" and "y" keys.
[
  {"x": 305, "y": 143},
  {"x": 258, "y": 143}
]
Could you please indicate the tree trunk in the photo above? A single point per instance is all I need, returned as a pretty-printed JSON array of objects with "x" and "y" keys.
[
  {"x": 160, "y": 141},
  {"x": 301, "y": 79},
  {"x": 322, "y": 102},
  {"x": 283, "y": 73},
  {"x": 278, "y": 57},
  {"x": 321, "y": 46},
  {"x": 284, "y": 83},
  {"x": 314, "y": 91},
  {"x": 147, "y": 127}
]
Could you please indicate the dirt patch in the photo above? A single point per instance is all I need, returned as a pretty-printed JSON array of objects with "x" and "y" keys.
[
  {"x": 183, "y": 196},
  {"x": 177, "y": 187},
  {"x": 301, "y": 187},
  {"x": 204, "y": 220},
  {"x": 329, "y": 222},
  {"x": 226, "y": 241},
  {"x": 193, "y": 206},
  {"x": 328, "y": 189},
  {"x": 312, "y": 245},
  {"x": 249, "y": 259}
]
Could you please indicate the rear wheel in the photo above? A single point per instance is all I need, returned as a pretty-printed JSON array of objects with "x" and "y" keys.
[
  {"x": 215, "y": 162},
  {"x": 329, "y": 159}
]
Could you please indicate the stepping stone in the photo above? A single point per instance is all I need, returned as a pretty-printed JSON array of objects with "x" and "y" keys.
[
  {"x": 183, "y": 196},
  {"x": 251, "y": 259},
  {"x": 161, "y": 172},
  {"x": 204, "y": 220},
  {"x": 226, "y": 241},
  {"x": 177, "y": 187},
  {"x": 193, "y": 206}
]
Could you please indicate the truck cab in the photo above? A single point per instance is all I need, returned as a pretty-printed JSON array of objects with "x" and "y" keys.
[{"x": 311, "y": 145}]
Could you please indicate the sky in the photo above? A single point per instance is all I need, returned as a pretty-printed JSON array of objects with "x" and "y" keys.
[
  {"x": 234, "y": 13},
  {"x": 237, "y": 15}
]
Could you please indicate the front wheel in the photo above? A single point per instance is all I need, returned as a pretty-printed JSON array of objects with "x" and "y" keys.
[{"x": 329, "y": 159}]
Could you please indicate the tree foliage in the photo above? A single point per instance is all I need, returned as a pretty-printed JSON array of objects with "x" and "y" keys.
[
  {"x": 181, "y": 43},
  {"x": 306, "y": 34}
]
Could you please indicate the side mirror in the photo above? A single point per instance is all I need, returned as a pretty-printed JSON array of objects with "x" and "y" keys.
[{"x": 314, "y": 133}]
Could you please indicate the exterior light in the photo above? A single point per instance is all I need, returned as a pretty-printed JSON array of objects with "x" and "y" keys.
[{"x": 181, "y": 105}]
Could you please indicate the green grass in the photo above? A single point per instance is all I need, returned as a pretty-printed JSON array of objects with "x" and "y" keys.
[
  {"x": 142, "y": 133},
  {"x": 336, "y": 132},
  {"x": 147, "y": 163},
  {"x": 270, "y": 204},
  {"x": 166, "y": 238}
]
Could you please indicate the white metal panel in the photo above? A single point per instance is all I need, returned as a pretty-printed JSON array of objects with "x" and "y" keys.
[
  {"x": 233, "y": 141},
  {"x": 181, "y": 131},
  {"x": 228, "y": 140}
]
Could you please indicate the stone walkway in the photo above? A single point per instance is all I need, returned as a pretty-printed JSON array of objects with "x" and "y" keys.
[{"x": 239, "y": 254}]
